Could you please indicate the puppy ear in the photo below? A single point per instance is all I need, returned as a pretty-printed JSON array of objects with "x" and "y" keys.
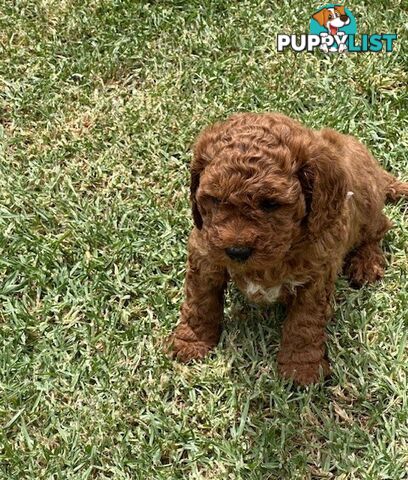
[
  {"x": 340, "y": 9},
  {"x": 203, "y": 154},
  {"x": 325, "y": 185},
  {"x": 320, "y": 17}
]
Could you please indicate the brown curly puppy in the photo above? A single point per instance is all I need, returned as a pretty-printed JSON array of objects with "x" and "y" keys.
[{"x": 277, "y": 209}]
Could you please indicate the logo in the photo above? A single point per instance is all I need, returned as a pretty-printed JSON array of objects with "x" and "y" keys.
[
  {"x": 333, "y": 29},
  {"x": 335, "y": 21}
]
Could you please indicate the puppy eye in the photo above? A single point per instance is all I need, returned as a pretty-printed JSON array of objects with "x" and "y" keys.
[
  {"x": 214, "y": 200},
  {"x": 268, "y": 205},
  {"x": 330, "y": 17}
]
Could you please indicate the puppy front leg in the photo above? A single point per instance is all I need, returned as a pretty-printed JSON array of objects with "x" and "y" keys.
[
  {"x": 302, "y": 353},
  {"x": 202, "y": 311}
]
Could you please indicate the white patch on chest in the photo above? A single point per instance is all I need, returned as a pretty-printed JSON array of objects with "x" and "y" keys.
[
  {"x": 256, "y": 292},
  {"x": 269, "y": 295}
]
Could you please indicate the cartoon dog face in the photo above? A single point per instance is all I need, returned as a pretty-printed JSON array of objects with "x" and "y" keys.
[{"x": 332, "y": 18}]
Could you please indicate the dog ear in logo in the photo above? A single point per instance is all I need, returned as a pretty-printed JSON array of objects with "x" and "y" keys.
[{"x": 321, "y": 17}]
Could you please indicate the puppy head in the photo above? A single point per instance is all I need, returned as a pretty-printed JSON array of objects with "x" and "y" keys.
[
  {"x": 335, "y": 16},
  {"x": 259, "y": 185}
]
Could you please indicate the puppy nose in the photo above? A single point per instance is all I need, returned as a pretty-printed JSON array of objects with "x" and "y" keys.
[
  {"x": 240, "y": 254},
  {"x": 343, "y": 18}
]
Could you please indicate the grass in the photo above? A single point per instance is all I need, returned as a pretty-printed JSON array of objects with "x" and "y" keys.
[{"x": 101, "y": 102}]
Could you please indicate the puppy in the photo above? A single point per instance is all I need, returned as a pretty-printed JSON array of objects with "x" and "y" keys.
[
  {"x": 332, "y": 19},
  {"x": 278, "y": 208}
]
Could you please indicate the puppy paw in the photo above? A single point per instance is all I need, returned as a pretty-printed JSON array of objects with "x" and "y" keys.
[
  {"x": 187, "y": 350},
  {"x": 361, "y": 272},
  {"x": 185, "y": 344},
  {"x": 305, "y": 373}
]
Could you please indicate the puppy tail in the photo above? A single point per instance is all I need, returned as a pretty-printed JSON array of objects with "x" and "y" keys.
[{"x": 395, "y": 189}]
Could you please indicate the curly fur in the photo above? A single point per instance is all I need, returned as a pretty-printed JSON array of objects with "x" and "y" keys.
[{"x": 326, "y": 194}]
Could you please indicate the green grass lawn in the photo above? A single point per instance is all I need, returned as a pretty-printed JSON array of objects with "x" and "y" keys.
[{"x": 101, "y": 101}]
